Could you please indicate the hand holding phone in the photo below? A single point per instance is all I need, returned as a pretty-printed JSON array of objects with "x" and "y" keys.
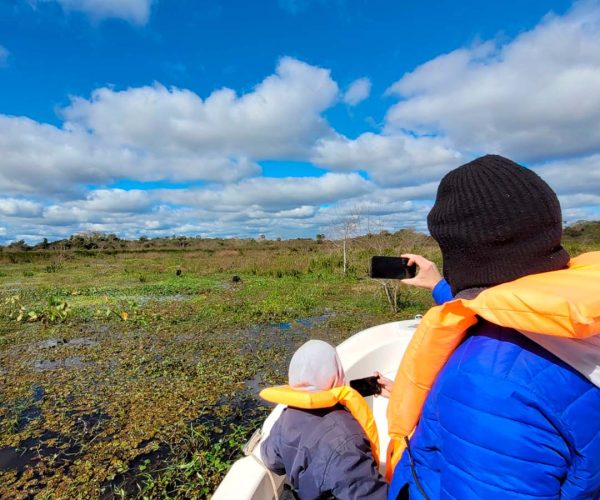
[
  {"x": 367, "y": 386},
  {"x": 428, "y": 276},
  {"x": 392, "y": 268},
  {"x": 385, "y": 383}
]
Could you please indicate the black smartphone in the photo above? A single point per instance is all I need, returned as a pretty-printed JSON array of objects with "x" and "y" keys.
[
  {"x": 366, "y": 386},
  {"x": 392, "y": 268}
]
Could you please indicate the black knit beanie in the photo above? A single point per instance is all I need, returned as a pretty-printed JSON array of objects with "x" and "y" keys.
[{"x": 496, "y": 221}]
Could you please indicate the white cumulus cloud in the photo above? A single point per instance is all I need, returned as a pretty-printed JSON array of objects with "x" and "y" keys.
[
  {"x": 117, "y": 200},
  {"x": 99, "y": 206},
  {"x": 41, "y": 158},
  {"x": 281, "y": 117},
  {"x": 301, "y": 212},
  {"x": 155, "y": 133},
  {"x": 357, "y": 92},
  {"x": 397, "y": 159},
  {"x": 15, "y": 207},
  {"x": 573, "y": 176},
  {"x": 534, "y": 98},
  {"x": 272, "y": 194},
  {"x": 579, "y": 200}
]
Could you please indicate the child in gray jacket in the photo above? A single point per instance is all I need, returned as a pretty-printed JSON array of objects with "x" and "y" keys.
[{"x": 324, "y": 452}]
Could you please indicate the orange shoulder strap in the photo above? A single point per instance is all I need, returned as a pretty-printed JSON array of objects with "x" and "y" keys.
[
  {"x": 344, "y": 395},
  {"x": 562, "y": 303}
]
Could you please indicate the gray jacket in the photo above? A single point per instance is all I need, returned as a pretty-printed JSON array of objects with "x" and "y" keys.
[{"x": 325, "y": 453}]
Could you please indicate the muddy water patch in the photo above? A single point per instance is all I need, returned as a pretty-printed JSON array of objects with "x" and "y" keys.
[
  {"x": 81, "y": 342},
  {"x": 18, "y": 415},
  {"x": 76, "y": 342},
  {"x": 73, "y": 362},
  {"x": 88, "y": 423},
  {"x": 145, "y": 463},
  {"x": 255, "y": 384},
  {"x": 58, "y": 344},
  {"x": 143, "y": 300},
  {"x": 50, "y": 451},
  {"x": 16, "y": 459},
  {"x": 286, "y": 335},
  {"x": 58, "y": 448},
  {"x": 302, "y": 323},
  {"x": 214, "y": 437}
]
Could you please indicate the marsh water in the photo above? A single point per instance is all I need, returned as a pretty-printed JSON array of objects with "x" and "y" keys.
[
  {"x": 108, "y": 358},
  {"x": 120, "y": 377}
]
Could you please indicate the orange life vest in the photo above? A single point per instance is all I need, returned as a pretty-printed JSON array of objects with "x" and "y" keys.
[
  {"x": 343, "y": 395},
  {"x": 563, "y": 303}
]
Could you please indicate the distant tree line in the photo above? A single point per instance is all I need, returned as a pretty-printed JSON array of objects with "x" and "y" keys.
[
  {"x": 582, "y": 231},
  {"x": 100, "y": 241}
]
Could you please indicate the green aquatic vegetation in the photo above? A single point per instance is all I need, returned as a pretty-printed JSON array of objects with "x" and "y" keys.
[
  {"x": 149, "y": 387},
  {"x": 122, "y": 309},
  {"x": 55, "y": 310}
]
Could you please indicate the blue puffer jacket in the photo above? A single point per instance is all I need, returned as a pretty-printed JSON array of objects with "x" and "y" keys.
[{"x": 505, "y": 419}]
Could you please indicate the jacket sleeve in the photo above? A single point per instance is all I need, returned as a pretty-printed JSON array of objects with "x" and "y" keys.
[
  {"x": 269, "y": 451},
  {"x": 442, "y": 292},
  {"x": 351, "y": 472}
]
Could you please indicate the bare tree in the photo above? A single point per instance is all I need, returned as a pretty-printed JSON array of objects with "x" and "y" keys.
[{"x": 346, "y": 226}]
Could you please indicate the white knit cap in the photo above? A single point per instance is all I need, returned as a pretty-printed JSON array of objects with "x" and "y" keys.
[{"x": 316, "y": 366}]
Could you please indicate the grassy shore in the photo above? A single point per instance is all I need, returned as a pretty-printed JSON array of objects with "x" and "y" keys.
[{"x": 135, "y": 372}]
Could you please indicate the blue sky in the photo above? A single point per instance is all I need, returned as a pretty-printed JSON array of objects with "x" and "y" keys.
[{"x": 283, "y": 117}]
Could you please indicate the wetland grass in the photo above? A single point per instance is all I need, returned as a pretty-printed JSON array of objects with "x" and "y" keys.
[{"x": 130, "y": 379}]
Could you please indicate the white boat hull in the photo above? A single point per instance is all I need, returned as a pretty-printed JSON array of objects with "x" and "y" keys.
[{"x": 378, "y": 348}]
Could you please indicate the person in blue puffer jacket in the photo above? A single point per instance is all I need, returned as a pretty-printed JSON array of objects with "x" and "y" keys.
[{"x": 505, "y": 418}]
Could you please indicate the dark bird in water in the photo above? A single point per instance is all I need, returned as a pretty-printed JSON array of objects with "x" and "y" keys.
[{"x": 178, "y": 272}]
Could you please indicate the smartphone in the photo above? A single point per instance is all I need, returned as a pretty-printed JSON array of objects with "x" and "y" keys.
[
  {"x": 392, "y": 268},
  {"x": 366, "y": 386}
]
